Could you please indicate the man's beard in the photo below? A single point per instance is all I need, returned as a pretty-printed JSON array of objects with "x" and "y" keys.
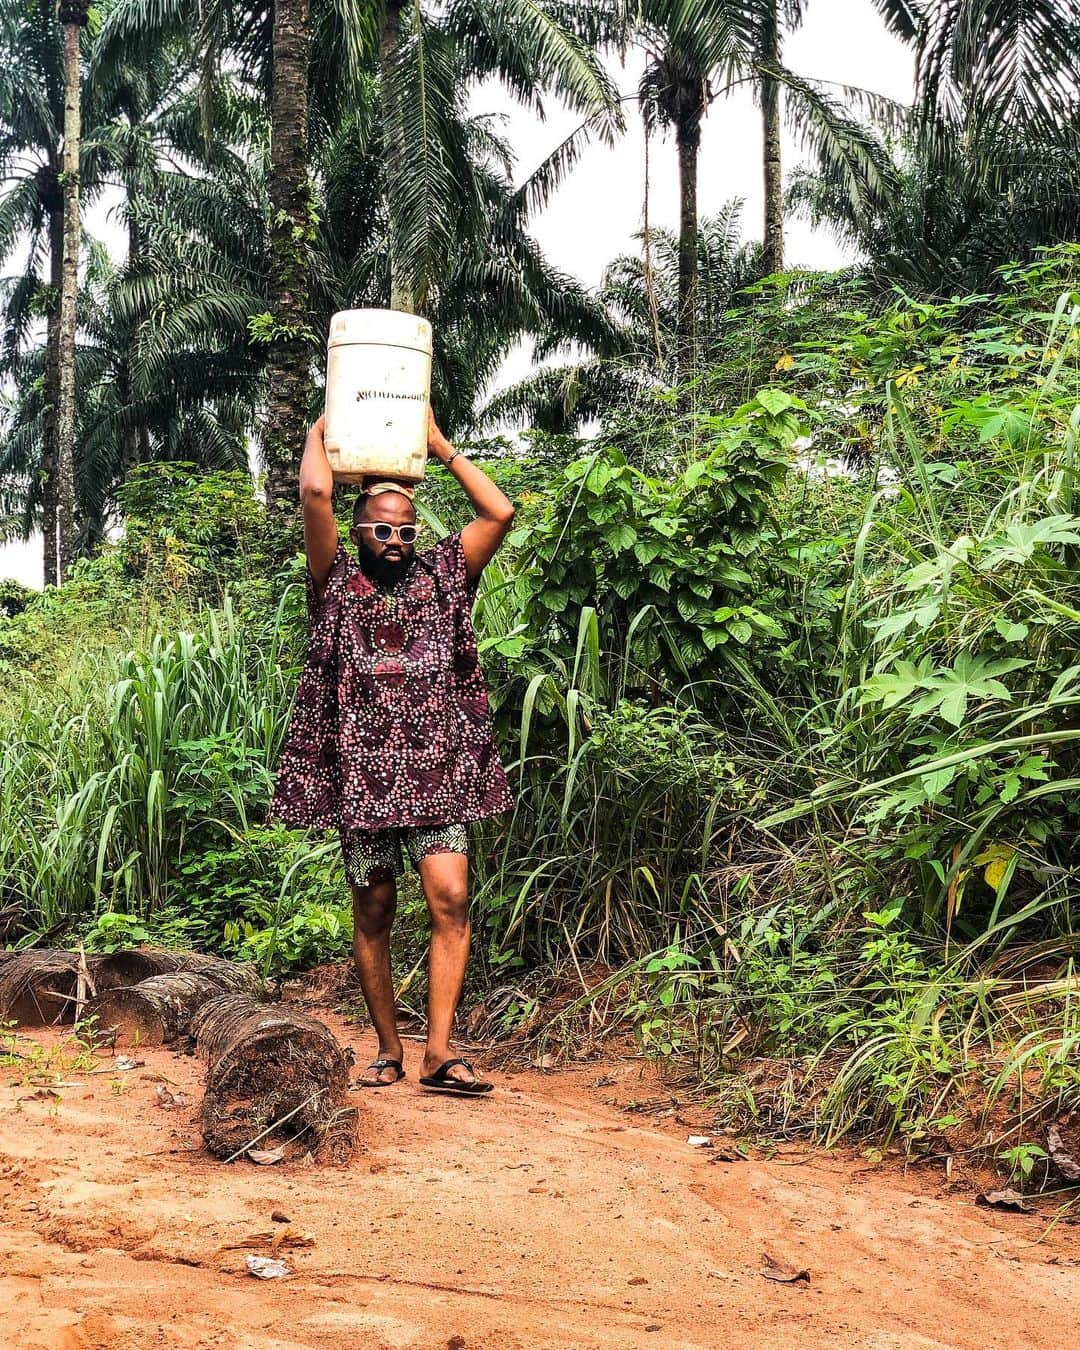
[{"x": 379, "y": 568}]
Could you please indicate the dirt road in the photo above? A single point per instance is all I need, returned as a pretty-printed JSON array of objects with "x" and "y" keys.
[{"x": 537, "y": 1218}]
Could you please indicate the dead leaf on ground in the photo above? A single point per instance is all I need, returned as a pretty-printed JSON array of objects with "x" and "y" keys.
[
  {"x": 282, "y": 1238},
  {"x": 125, "y": 1062},
  {"x": 41, "y": 1095},
  {"x": 781, "y": 1273},
  {"x": 1007, "y": 1199},
  {"x": 266, "y": 1157},
  {"x": 1063, "y": 1160},
  {"x": 170, "y": 1101}
]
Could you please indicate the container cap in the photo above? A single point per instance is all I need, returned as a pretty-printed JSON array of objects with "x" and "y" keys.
[{"x": 379, "y": 327}]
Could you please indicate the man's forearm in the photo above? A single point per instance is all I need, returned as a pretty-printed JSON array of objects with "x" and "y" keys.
[
  {"x": 316, "y": 477},
  {"x": 489, "y": 502}
]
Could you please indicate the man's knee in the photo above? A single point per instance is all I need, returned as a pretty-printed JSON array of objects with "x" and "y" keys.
[
  {"x": 374, "y": 908},
  {"x": 449, "y": 904}
]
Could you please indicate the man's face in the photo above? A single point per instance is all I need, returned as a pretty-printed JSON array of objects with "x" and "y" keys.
[{"x": 388, "y": 558}]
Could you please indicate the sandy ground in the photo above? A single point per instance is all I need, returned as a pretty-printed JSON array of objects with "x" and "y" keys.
[{"x": 542, "y": 1216}]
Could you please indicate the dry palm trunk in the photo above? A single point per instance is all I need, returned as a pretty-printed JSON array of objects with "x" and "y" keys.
[
  {"x": 168, "y": 989},
  {"x": 40, "y": 987},
  {"x": 125, "y": 968},
  {"x": 155, "y": 1011},
  {"x": 274, "y": 1076}
]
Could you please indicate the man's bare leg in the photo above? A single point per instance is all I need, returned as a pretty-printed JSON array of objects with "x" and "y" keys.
[
  {"x": 445, "y": 878},
  {"x": 374, "y": 907}
]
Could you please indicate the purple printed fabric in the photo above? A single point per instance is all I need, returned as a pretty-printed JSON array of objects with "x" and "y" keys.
[{"x": 391, "y": 725}]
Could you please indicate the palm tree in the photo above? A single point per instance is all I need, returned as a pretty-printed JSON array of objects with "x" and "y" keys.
[
  {"x": 164, "y": 345},
  {"x": 427, "y": 62},
  {"x": 690, "y": 46},
  {"x": 271, "y": 43},
  {"x": 697, "y": 51},
  {"x": 843, "y": 147},
  {"x": 40, "y": 113},
  {"x": 165, "y": 363},
  {"x": 644, "y": 305},
  {"x": 73, "y": 15},
  {"x": 997, "y": 62},
  {"x": 990, "y": 167},
  {"x": 958, "y": 211}
]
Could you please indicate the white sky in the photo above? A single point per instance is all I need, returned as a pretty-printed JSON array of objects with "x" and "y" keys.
[{"x": 597, "y": 212}]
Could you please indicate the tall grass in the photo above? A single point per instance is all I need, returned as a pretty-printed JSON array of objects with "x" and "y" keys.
[{"x": 99, "y": 792}]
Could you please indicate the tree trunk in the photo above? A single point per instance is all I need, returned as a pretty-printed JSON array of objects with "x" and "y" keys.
[
  {"x": 40, "y": 987},
  {"x": 770, "y": 116},
  {"x": 131, "y": 429},
  {"x": 155, "y": 1011},
  {"x": 401, "y": 296},
  {"x": 73, "y": 17},
  {"x": 54, "y": 203},
  {"x": 291, "y": 235},
  {"x": 272, "y": 1067},
  {"x": 688, "y": 141},
  {"x": 132, "y": 966}
]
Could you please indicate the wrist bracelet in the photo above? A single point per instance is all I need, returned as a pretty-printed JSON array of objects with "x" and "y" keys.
[{"x": 452, "y": 456}]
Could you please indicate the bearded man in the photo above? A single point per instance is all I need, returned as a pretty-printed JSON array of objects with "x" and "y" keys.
[{"x": 391, "y": 741}]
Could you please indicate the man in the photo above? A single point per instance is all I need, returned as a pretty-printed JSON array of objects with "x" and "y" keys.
[{"x": 391, "y": 740}]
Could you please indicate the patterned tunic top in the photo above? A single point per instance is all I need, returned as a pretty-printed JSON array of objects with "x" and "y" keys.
[{"x": 391, "y": 725}]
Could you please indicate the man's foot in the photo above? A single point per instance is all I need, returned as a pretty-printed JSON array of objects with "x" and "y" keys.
[
  {"x": 447, "y": 1073},
  {"x": 383, "y": 1071}
]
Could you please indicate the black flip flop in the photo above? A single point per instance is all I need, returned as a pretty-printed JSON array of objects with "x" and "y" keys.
[
  {"x": 378, "y": 1065},
  {"x": 439, "y": 1081}
]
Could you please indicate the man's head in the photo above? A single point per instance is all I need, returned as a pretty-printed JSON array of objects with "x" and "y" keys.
[{"x": 387, "y": 558}]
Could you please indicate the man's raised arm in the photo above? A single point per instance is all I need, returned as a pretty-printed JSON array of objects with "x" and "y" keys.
[
  {"x": 494, "y": 511},
  {"x": 316, "y": 496}
]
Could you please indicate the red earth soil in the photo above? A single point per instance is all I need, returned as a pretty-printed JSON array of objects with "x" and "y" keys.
[{"x": 542, "y": 1216}]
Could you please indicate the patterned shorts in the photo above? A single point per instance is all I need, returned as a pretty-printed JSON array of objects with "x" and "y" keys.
[{"x": 376, "y": 855}]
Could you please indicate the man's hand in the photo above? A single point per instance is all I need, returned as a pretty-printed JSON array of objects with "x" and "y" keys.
[{"x": 438, "y": 447}]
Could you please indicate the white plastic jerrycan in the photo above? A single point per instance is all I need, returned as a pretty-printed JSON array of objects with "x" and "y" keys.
[{"x": 378, "y": 383}]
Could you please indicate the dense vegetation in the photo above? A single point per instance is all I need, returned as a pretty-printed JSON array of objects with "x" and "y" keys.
[{"x": 785, "y": 655}]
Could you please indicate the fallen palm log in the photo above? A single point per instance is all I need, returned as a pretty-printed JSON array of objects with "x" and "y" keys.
[
  {"x": 132, "y": 966},
  {"x": 42, "y": 987},
  {"x": 157, "y": 1010},
  {"x": 152, "y": 1012},
  {"x": 274, "y": 1076}
]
